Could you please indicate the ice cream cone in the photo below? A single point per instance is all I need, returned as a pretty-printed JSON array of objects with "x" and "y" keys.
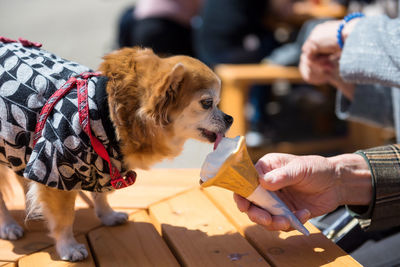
[
  {"x": 230, "y": 167},
  {"x": 237, "y": 173}
]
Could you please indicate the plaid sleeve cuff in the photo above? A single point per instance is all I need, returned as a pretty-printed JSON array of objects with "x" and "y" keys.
[{"x": 384, "y": 210}]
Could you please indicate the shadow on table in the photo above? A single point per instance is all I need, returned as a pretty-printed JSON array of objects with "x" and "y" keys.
[{"x": 139, "y": 244}]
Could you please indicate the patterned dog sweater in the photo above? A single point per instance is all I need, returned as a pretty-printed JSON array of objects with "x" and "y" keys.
[{"x": 63, "y": 157}]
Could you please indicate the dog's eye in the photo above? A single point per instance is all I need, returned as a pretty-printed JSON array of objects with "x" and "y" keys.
[{"x": 206, "y": 103}]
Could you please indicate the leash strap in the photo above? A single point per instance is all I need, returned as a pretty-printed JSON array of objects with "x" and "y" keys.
[
  {"x": 81, "y": 82},
  {"x": 23, "y": 41}
]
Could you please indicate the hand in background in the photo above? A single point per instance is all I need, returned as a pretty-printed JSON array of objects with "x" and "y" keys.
[{"x": 319, "y": 61}]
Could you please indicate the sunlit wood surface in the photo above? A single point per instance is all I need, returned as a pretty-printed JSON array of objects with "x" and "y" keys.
[{"x": 173, "y": 222}]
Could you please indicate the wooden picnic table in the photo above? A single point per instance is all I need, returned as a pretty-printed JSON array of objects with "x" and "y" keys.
[{"x": 173, "y": 222}]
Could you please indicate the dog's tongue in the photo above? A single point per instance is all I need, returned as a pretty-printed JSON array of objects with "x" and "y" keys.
[{"x": 219, "y": 138}]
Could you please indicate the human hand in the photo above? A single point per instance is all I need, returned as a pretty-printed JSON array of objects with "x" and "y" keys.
[
  {"x": 323, "y": 69},
  {"x": 323, "y": 38},
  {"x": 309, "y": 185},
  {"x": 320, "y": 54},
  {"x": 319, "y": 61}
]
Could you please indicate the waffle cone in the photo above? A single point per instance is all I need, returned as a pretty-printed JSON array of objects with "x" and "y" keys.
[{"x": 237, "y": 173}]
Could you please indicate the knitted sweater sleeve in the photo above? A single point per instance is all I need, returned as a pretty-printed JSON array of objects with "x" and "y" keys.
[{"x": 370, "y": 54}]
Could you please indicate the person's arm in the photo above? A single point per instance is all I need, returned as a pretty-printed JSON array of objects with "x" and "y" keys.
[
  {"x": 367, "y": 181},
  {"x": 384, "y": 211},
  {"x": 370, "y": 54},
  {"x": 310, "y": 185},
  {"x": 360, "y": 102}
]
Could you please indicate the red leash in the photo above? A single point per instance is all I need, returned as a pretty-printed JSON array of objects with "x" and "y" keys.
[
  {"x": 81, "y": 81},
  {"x": 23, "y": 41}
]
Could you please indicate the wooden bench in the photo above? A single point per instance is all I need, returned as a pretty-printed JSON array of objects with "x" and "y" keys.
[
  {"x": 236, "y": 80},
  {"x": 172, "y": 222},
  {"x": 308, "y": 10}
]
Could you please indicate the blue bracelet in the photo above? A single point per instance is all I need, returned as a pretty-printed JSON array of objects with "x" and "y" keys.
[{"x": 341, "y": 26}]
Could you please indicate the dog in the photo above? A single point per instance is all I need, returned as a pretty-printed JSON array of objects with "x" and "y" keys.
[{"x": 64, "y": 128}]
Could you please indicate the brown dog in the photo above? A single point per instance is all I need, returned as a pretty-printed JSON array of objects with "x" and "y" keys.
[{"x": 142, "y": 108}]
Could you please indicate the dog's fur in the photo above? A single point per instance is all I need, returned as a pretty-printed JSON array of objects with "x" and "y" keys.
[{"x": 155, "y": 104}]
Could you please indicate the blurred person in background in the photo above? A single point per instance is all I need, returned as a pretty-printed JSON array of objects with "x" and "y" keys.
[
  {"x": 359, "y": 97},
  {"x": 236, "y": 32},
  {"x": 365, "y": 72},
  {"x": 163, "y": 25}
]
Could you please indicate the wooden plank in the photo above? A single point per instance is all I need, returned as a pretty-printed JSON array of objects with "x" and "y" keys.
[
  {"x": 49, "y": 257},
  {"x": 150, "y": 187},
  {"x": 7, "y": 264},
  {"x": 321, "y": 10},
  {"x": 36, "y": 233},
  {"x": 29, "y": 243},
  {"x": 283, "y": 248},
  {"x": 200, "y": 235},
  {"x": 85, "y": 220},
  {"x": 153, "y": 186},
  {"x": 136, "y": 243},
  {"x": 257, "y": 73}
]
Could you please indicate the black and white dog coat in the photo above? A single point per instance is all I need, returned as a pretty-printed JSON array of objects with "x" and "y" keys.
[{"x": 63, "y": 157}]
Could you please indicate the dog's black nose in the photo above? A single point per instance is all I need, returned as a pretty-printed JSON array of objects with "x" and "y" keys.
[{"x": 228, "y": 120}]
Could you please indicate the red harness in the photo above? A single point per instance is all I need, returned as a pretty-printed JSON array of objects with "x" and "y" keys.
[{"x": 81, "y": 82}]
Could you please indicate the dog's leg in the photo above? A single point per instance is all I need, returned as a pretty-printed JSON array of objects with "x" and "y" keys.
[
  {"x": 24, "y": 183},
  {"x": 9, "y": 228},
  {"x": 58, "y": 208},
  {"x": 105, "y": 213}
]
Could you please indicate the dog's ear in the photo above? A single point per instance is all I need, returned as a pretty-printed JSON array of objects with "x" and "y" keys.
[
  {"x": 176, "y": 75},
  {"x": 166, "y": 94}
]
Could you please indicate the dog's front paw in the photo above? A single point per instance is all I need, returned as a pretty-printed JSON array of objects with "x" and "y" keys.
[
  {"x": 72, "y": 252},
  {"x": 113, "y": 218},
  {"x": 11, "y": 231}
]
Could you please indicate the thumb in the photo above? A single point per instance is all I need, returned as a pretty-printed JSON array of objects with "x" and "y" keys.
[{"x": 277, "y": 179}]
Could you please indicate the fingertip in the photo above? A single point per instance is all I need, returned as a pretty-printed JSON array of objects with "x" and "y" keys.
[
  {"x": 259, "y": 216},
  {"x": 303, "y": 215},
  {"x": 264, "y": 220},
  {"x": 270, "y": 181},
  {"x": 242, "y": 203},
  {"x": 309, "y": 47},
  {"x": 306, "y": 46},
  {"x": 280, "y": 223},
  {"x": 259, "y": 168}
]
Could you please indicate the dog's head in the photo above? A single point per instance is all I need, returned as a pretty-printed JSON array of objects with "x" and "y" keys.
[
  {"x": 196, "y": 93},
  {"x": 158, "y": 103}
]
